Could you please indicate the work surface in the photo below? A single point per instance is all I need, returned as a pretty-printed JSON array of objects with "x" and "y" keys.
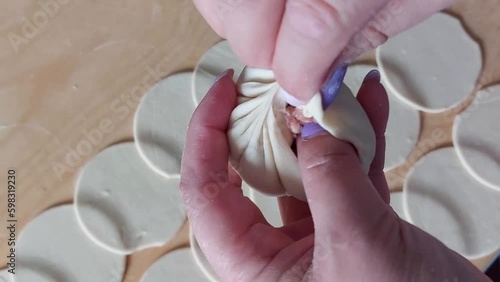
[{"x": 63, "y": 74}]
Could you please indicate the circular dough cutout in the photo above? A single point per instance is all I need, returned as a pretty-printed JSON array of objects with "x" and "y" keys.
[
  {"x": 161, "y": 121},
  {"x": 442, "y": 198},
  {"x": 52, "y": 247},
  {"x": 5, "y": 276},
  {"x": 476, "y": 135},
  {"x": 177, "y": 265},
  {"x": 433, "y": 66},
  {"x": 403, "y": 126},
  {"x": 397, "y": 204},
  {"x": 123, "y": 205},
  {"x": 214, "y": 62}
]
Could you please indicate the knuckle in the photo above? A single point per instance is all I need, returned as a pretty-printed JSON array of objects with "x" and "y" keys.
[{"x": 314, "y": 19}]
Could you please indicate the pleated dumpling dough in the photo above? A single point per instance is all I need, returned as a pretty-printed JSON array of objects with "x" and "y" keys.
[{"x": 259, "y": 139}]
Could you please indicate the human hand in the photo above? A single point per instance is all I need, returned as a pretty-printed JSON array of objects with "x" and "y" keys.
[
  {"x": 346, "y": 231},
  {"x": 301, "y": 39}
]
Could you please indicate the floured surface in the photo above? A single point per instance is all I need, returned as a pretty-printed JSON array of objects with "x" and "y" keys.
[
  {"x": 403, "y": 126},
  {"x": 6, "y": 276},
  {"x": 215, "y": 61},
  {"x": 443, "y": 199},
  {"x": 178, "y": 265},
  {"x": 52, "y": 247},
  {"x": 476, "y": 135},
  {"x": 125, "y": 206},
  {"x": 161, "y": 121},
  {"x": 433, "y": 66}
]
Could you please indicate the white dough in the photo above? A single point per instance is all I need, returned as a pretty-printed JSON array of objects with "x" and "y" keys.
[
  {"x": 177, "y": 265},
  {"x": 161, "y": 122},
  {"x": 443, "y": 199},
  {"x": 201, "y": 259},
  {"x": 433, "y": 66},
  {"x": 52, "y": 247},
  {"x": 5, "y": 276},
  {"x": 397, "y": 204},
  {"x": 476, "y": 135},
  {"x": 259, "y": 139},
  {"x": 214, "y": 62},
  {"x": 123, "y": 205},
  {"x": 269, "y": 207},
  {"x": 403, "y": 127}
]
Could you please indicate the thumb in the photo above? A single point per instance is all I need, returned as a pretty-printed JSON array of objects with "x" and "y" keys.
[{"x": 342, "y": 198}]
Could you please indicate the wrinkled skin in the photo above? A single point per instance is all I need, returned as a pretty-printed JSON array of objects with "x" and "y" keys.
[{"x": 346, "y": 232}]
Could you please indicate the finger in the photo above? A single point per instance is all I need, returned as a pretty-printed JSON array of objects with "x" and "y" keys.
[
  {"x": 373, "y": 98},
  {"x": 311, "y": 36},
  {"x": 318, "y": 33},
  {"x": 229, "y": 227},
  {"x": 210, "y": 197},
  {"x": 251, "y": 27},
  {"x": 292, "y": 210}
]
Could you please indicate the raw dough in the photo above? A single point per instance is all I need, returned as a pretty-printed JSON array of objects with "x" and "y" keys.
[
  {"x": 214, "y": 62},
  {"x": 397, "y": 204},
  {"x": 433, "y": 66},
  {"x": 6, "y": 276},
  {"x": 161, "y": 122},
  {"x": 259, "y": 139},
  {"x": 443, "y": 199},
  {"x": 52, "y": 247},
  {"x": 177, "y": 265},
  {"x": 403, "y": 127},
  {"x": 269, "y": 207},
  {"x": 201, "y": 259},
  {"x": 125, "y": 206},
  {"x": 476, "y": 135}
]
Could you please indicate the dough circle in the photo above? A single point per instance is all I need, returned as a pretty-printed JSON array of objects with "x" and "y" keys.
[
  {"x": 177, "y": 265},
  {"x": 442, "y": 198},
  {"x": 53, "y": 247},
  {"x": 123, "y": 205},
  {"x": 433, "y": 66},
  {"x": 397, "y": 204},
  {"x": 214, "y": 62},
  {"x": 403, "y": 127},
  {"x": 201, "y": 259},
  {"x": 476, "y": 135},
  {"x": 161, "y": 121}
]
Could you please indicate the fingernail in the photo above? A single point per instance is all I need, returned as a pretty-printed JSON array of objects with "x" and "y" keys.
[
  {"x": 332, "y": 85},
  {"x": 372, "y": 75},
  {"x": 291, "y": 100},
  {"x": 311, "y": 130},
  {"x": 229, "y": 72}
]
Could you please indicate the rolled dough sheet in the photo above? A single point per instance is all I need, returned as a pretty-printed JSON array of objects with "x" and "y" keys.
[
  {"x": 442, "y": 198},
  {"x": 52, "y": 247},
  {"x": 397, "y": 204},
  {"x": 6, "y": 276},
  {"x": 269, "y": 207},
  {"x": 201, "y": 259},
  {"x": 161, "y": 121},
  {"x": 177, "y": 265},
  {"x": 123, "y": 205},
  {"x": 433, "y": 66},
  {"x": 403, "y": 127},
  {"x": 476, "y": 135},
  {"x": 215, "y": 61}
]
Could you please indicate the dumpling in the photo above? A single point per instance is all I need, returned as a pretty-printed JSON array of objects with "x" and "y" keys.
[{"x": 259, "y": 139}]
